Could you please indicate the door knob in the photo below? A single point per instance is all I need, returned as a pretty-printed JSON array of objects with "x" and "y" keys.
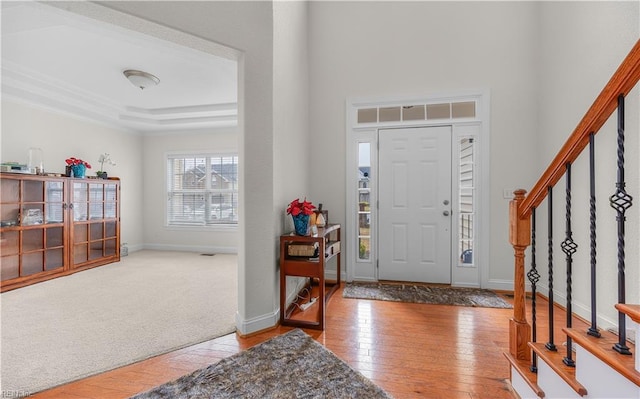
[
  {"x": 445, "y": 202},
  {"x": 446, "y": 213}
]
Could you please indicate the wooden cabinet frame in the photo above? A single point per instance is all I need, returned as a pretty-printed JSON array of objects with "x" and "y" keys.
[
  {"x": 328, "y": 242},
  {"x": 55, "y": 226}
]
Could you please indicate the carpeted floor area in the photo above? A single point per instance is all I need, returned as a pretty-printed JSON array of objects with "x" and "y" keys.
[
  {"x": 424, "y": 293},
  {"x": 292, "y": 365},
  {"x": 149, "y": 303}
]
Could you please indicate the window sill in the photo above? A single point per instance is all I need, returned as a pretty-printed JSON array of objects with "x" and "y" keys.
[{"x": 231, "y": 228}]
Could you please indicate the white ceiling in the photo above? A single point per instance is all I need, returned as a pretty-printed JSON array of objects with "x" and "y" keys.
[{"x": 68, "y": 63}]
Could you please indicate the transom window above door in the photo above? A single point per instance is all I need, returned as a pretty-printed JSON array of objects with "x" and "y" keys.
[{"x": 418, "y": 112}]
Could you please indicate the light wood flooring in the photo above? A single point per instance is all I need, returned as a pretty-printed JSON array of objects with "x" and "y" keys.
[{"x": 410, "y": 350}]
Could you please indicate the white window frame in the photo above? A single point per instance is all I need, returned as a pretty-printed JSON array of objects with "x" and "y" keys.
[{"x": 203, "y": 224}]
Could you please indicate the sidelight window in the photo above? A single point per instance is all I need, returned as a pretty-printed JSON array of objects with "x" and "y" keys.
[
  {"x": 466, "y": 191},
  {"x": 364, "y": 201}
]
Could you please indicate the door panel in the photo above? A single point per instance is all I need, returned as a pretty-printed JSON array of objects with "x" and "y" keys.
[
  {"x": 415, "y": 193},
  {"x": 399, "y": 243}
]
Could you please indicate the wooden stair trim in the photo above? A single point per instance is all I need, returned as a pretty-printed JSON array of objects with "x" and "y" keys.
[
  {"x": 622, "y": 82},
  {"x": 602, "y": 349},
  {"x": 554, "y": 360},
  {"x": 633, "y": 311},
  {"x": 523, "y": 368}
]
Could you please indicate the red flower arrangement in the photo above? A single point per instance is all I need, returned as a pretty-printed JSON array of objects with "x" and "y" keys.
[
  {"x": 75, "y": 161},
  {"x": 296, "y": 207}
]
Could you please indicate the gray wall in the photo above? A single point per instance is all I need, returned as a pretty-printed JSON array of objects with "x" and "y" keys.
[
  {"x": 291, "y": 116},
  {"x": 581, "y": 44},
  {"x": 300, "y": 61},
  {"x": 273, "y": 104},
  {"x": 360, "y": 49},
  {"x": 156, "y": 234},
  {"x": 247, "y": 28},
  {"x": 61, "y": 136}
]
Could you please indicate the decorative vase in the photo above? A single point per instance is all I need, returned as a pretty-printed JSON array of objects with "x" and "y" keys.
[
  {"x": 102, "y": 175},
  {"x": 78, "y": 170},
  {"x": 301, "y": 224}
]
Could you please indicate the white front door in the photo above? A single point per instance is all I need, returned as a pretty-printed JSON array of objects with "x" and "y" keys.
[{"x": 414, "y": 191}]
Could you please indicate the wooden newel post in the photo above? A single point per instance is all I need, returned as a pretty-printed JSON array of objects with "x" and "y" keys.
[{"x": 520, "y": 239}]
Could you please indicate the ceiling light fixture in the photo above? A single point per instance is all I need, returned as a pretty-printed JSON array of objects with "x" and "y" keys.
[{"x": 141, "y": 79}]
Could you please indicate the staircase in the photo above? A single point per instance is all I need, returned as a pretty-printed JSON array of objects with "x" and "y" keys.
[
  {"x": 592, "y": 363},
  {"x": 606, "y": 373}
]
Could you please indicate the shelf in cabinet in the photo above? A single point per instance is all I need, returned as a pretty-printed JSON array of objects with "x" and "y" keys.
[
  {"x": 328, "y": 241},
  {"x": 32, "y": 253}
]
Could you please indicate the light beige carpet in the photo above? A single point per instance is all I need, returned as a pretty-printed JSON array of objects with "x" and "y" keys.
[{"x": 151, "y": 302}]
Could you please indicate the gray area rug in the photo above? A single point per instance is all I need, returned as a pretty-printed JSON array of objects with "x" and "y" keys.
[
  {"x": 292, "y": 365},
  {"x": 420, "y": 293}
]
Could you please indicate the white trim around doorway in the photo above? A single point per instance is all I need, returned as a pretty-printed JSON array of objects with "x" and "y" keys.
[{"x": 388, "y": 112}]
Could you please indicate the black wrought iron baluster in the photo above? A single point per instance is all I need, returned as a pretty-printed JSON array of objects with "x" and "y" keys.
[
  {"x": 533, "y": 277},
  {"x": 569, "y": 247},
  {"x": 550, "y": 345},
  {"x": 593, "y": 330},
  {"x": 621, "y": 201}
]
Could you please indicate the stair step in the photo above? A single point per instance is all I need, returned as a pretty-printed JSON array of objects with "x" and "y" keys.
[
  {"x": 633, "y": 311},
  {"x": 602, "y": 349},
  {"x": 523, "y": 368},
  {"x": 555, "y": 360}
]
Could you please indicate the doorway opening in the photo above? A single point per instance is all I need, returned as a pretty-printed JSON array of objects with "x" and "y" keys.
[{"x": 417, "y": 189}]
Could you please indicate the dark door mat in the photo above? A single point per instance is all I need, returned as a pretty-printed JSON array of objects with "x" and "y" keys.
[{"x": 423, "y": 293}]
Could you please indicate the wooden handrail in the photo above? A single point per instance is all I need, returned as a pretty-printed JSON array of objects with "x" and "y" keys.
[
  {"x": 520, "y": 208},
  {"x": 622, "y": 82}
]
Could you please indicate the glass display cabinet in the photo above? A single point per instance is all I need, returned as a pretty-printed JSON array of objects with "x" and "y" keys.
[{"x": 54, "y": 226}]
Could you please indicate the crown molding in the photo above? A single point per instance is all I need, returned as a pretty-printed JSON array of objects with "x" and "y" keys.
[
  {"x": 30, "y": 87},
  {"x": 34, "y": 84}
]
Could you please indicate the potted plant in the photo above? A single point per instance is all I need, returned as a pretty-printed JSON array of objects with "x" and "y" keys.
[
  {"x": 104, "y": 158},
  {"x": 77, "y": 167},
  {"x": 300, "y": 212}
]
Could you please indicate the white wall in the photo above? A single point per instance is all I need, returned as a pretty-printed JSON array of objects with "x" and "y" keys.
[
  {"x": 140, "y": 164},
  {"x": 360, "y": 49},
  {"x": 290, "y": 114},
  {"x": 581, "y": 45},
  {"x": 247, "y": 27},
  {"x": 273, "y": 143},
  {"x": 61, "y": 137},
  {"x": 374, "y": 49},
  {"x": 156, "y": 234}
]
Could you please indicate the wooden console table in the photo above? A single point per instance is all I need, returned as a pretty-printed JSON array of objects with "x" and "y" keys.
[{"x": 328, "y": 242}]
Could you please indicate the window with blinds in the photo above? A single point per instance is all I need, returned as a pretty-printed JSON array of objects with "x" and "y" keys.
[{"x": 202, "y": 190}]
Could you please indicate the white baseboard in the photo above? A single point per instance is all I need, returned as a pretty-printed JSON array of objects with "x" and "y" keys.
[
  {"x": 464, "y": 285},
  {"x": 190, "y": 248},
  {"x": 134, "y": 248},
  {"x": 362, "y": 280},
  {"x": 256, "y": 324},
  {"x": 578, "y": 308},
  {"x": 301, "y": 282},
  {"x": 332, "y": 275},
  {"x": 500, "y": 285}
]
